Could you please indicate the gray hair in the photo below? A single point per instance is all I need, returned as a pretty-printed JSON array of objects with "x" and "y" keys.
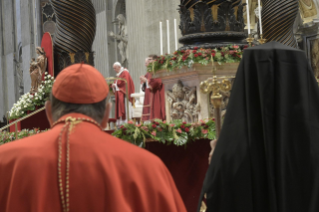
[
  {"x": 95, "y": 111},
  {"x": 117, "y": 64}
]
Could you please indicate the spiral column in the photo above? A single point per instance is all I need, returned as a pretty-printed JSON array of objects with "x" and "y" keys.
[
  {"x": 75, "y": 32},
  {"x": 278, "y": 17}
]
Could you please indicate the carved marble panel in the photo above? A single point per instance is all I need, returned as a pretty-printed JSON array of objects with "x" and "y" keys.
[{"x": 183, "y": 103}]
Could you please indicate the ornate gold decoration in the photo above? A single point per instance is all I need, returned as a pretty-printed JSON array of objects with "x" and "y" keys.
[
  {"x": 183, "y": 103},
  {"x": 37, "y": 68},
  {"x": 262, "y": 40},
  {"x": 215, "y": 87},
  {"x": 250, "y": 39}
]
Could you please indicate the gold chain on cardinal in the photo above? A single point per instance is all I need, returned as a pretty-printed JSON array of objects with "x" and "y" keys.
[{"x": 70, "y": 123}]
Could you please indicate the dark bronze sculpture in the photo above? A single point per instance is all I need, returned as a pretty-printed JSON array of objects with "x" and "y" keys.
[
  {"x": 211, "y": 23},
  {"x": 75, "y": 32},
  {"x": 278, "y": 18}
]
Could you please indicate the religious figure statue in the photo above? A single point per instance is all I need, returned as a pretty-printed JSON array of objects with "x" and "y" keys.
[
  {"x": 37, "y": 68},
  {"x": 121, "y": 37},
  {"x": 183, "y": 103}
]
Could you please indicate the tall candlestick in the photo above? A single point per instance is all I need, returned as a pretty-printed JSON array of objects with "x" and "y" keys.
[
  {"x": 259, "y": 11},
  {"x": 248, "y": 20},
  {"x": 161, "y": 38},
  {"x": 175, "y": 31},
  {"x": 168, "y": 40}
]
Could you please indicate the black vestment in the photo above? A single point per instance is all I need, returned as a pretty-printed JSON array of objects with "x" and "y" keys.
[{"x": 267, "y": 156}]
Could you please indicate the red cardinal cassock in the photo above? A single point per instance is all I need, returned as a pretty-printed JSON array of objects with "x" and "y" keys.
[
  {"x": 77, "y": 167},
  {"x": 155, "y": 97},
  {"x": 121, "y": 92}
]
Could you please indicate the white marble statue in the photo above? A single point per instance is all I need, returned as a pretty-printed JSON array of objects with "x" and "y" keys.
[{"x": 121, "y": 37}]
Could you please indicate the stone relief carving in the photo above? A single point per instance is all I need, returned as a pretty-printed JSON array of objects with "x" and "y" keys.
[
  {"x": 308, "y": 10},
  {"x": 37, "y": 68},
  {"x": 225, "y": 99},
  {"x": 121, "y": 37},
  {"x": 183, "y": 103}
]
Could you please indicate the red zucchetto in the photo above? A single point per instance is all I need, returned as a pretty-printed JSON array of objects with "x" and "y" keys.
[{"x": 80, "y": 84}]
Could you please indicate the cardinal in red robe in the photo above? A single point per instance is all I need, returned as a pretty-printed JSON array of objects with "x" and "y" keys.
[
  {"x": 120, "y": 91},
  {"x": 76, "y": 166},
  {"x": 154, "y": 99}
]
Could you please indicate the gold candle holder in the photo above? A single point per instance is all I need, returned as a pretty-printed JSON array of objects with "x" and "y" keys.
[
  {"x": 250, "y": 39},
  {"x": 262, "y": 40},
  {"x": 214, "y": 86}
]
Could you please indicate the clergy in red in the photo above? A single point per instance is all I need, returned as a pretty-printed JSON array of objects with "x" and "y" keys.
[
  {"x": 76, "y": 166},
  {"x": 154, "y": 99},
  {"x": 119, "y": 88}
]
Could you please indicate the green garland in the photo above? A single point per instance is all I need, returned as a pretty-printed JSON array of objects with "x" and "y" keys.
[
  {"x": 179, "y": 59},
  {"x": 6, "y": 137},
  {"x": 177, "y": 132}
]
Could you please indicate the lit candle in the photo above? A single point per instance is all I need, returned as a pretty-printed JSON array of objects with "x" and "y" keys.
[
  {"x": 168, "y": 43},
  {"x": 175, "y": 27},
  {"x": 161, "y": 38},
  {"x": 259, "y": 10},
  {"x": 248, "y": 20}
]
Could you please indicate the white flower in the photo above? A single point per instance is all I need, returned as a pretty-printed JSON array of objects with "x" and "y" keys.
[
  {"x": 40, "y": 98},
  {"x": 46, "y": 73},
  {"x": 25, "y": 106},
  {"x": 52, "y": 78},
  {"x": 36, "y": 98},
  {"x": 36, "y": 94},
  {"x": 31, "y": 96},
  {"x": 22, "y": 112}
]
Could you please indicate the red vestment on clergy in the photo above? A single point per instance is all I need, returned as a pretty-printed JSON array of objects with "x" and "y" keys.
[{"x": 120, "y": 95}]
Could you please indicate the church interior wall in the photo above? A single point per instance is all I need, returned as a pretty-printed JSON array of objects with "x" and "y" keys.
[{"x": 143, "y": 17}]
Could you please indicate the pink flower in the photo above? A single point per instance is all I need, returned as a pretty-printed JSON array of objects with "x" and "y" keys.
[
  {"x": 138, "y": 125},
  {"x": 195, "y": 47},
  {"x": 186, "y": 129},
  {"x": 130, "y": 122},
  {"x": 172, "y": 125},
  {"x": 184, "y": 122},
  {"x": 164, "y": 122},
  {"x": 154, "y": 133},
  {"x": 202, "y": 121},
  {"x": 235, "y": 47},
  {"x": 204, "y": 131},
  {"x": 179, "y": 130}
]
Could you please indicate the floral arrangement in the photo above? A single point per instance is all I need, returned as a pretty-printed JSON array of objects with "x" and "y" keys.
[
  {"x": 6, "y": 137},
  {"x": 176, "y": 132},
  {"x": 178, "y": 59},
  {"x": 30, "y": 102}
]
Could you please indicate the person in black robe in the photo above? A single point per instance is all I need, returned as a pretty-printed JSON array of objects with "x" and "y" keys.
[{"x": 267, "y": 156}]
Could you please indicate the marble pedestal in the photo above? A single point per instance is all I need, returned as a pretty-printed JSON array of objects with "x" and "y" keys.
[{"x": 192, "y": 77}]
